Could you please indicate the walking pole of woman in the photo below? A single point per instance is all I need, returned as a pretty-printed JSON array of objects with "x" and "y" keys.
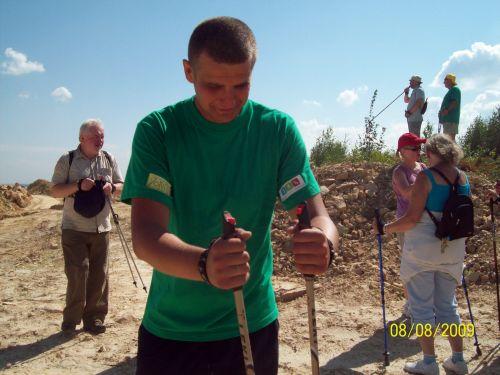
[
  {"x": 382, "y": 294},
  {"x": 495, "y": 259},
  {"x": 476, "y": 342}
]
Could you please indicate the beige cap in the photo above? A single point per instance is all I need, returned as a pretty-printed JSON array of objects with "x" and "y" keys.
[{"x": 417, "y": 79}]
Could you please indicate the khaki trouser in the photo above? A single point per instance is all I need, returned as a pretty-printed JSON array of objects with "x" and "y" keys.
[
  {"x": 414, "y": 127},
  {"x": 450, "y": 128},
  {"x": 86, "y": 267}
]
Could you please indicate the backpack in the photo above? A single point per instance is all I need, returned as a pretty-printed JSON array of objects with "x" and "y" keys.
[
  {"x": 424, "y": 107},
  {"x": 458, "y": 214}
]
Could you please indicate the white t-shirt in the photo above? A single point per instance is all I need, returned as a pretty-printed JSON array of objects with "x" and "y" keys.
[{"x": 416, "y": 94}]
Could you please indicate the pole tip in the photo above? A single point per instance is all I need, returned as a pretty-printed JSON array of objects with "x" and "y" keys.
[{"x": 386, "y": 359}]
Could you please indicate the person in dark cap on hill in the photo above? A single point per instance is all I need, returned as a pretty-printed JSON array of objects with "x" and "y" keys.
[{"x": 86, "y": 178}]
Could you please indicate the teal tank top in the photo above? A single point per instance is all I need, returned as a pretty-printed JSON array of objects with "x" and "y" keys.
[{"x": 439, "y": 193}]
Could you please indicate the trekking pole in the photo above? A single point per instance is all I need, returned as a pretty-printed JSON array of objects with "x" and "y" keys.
[
  {"x": 304, "y": 223},
  {"x": 228, "y": 229},
  {"x": 387, "y": 106},
  {"x": 492, "y": 202},
  {"x": 381, "y": 270},
  {"x": 476, "y": 343},
  {"x": 125, "y": 247}
]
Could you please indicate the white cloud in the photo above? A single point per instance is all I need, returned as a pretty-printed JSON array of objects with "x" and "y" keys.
[
  {"x": 349, "y": 97},
  {"x": 312, "y": 103},
  {"x": 395, "y": 130},
  {"x": 19, "y": 64},
  {"x": 24, "y": 95},
  {"x": 483, "y": 105},
  {"x": 475, "y": 68},
  {"x": 310, "y": 131},
  {"x": 62, "y": 94}
]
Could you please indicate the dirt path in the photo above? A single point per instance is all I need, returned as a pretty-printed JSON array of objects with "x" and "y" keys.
[{"x": 33, "y": 285}]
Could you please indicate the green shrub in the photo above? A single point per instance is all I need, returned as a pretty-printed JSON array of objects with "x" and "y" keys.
[
  {"x": 371, "y": 144},
  {"x": 328, "y": 149},
  {"x": 482, "y": 137},
  {"x": 428, "y": 130}
]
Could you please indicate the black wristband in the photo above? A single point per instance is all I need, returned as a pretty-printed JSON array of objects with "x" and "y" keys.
[
  {"x": 330, "y": 247},
  {"x": 202, "y": 263},
  {"x": 80, "y": 184},
  {"x": 113, "y": 188}
]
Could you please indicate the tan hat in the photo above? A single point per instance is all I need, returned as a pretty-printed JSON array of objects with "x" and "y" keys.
[{"x": 417, "y": 79}]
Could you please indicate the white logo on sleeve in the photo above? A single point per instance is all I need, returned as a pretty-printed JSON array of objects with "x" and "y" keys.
[{"x": 291, "y": 186}]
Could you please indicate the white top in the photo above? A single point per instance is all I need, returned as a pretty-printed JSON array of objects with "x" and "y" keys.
[
  {"x": 423, "y": 251},
  {"x": 416, "y": 94}
]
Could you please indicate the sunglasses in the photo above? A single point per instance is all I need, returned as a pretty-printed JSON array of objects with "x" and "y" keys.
[{"x": 412, "y": 148}]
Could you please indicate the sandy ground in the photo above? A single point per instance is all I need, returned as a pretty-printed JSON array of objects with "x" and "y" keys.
[{"x": 33, "y": 286}]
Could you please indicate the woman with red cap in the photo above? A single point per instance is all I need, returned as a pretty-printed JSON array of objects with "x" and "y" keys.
[{"x": 403, "y": 178}]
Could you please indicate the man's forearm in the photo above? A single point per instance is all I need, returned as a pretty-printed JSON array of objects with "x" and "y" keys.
[
  {"x": 328, "y": 228},
  {"x": 166, "y": 252},
  {"x": 63, "y": 190}
]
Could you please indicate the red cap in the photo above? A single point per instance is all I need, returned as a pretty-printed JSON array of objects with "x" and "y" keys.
[{"x": 410, "y": 139}]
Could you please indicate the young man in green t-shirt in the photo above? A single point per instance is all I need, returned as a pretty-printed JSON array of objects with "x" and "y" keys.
[
  {"x": 191, "y": 161},
  {"x": 449, "y": 114}
]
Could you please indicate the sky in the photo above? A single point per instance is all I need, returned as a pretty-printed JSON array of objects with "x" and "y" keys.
[{"x": 62, "y": 62}]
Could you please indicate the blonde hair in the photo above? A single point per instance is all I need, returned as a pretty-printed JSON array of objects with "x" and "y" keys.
[{"x": 444, "y": 148}]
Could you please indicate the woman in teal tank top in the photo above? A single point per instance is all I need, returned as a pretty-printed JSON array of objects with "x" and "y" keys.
[{"x": 430, "y": 268}]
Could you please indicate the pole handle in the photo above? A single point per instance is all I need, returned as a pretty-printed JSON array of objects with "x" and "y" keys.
[{"x": 380, "y": 223}]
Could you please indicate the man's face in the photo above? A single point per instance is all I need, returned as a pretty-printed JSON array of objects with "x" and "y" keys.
[
  {"x": 413, "y": 83},
  {"x": 447, "y": 83},
  {"x": 221, "y": 89},
  {"x": 92, "y": 140}
]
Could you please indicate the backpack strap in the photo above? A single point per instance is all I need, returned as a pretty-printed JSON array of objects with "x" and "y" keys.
[
  {"x": 108, "y": 156},
  {"x": 442, "y": 175},
  {"x": 454, "y": 189},
  {"x": 71, "y": 156},
  {"x": 433, "y": 218}
]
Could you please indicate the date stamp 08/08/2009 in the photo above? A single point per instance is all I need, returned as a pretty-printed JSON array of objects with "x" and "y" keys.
[{"x": 428, "y": 330}]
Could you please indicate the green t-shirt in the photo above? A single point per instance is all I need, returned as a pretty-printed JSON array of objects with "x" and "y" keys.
[
  {"x": 199, "y": 169},
  {"x": 454, "y": 115}
]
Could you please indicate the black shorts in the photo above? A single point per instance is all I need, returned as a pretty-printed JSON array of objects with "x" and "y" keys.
[{"x": 161, "y": 356}]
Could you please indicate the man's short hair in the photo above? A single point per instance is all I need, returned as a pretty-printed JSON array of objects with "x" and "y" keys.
[
  {"x": 225, "y": 39},
  {"x": 87, "y": 124}
]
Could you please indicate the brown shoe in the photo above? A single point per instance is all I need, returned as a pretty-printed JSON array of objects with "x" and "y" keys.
[{"x": 95, "y": 327}]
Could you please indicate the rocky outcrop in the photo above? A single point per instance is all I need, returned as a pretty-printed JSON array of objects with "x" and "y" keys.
[
  {"x": 13, "y": 198},
  {"x": 351, "y": 192}
]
